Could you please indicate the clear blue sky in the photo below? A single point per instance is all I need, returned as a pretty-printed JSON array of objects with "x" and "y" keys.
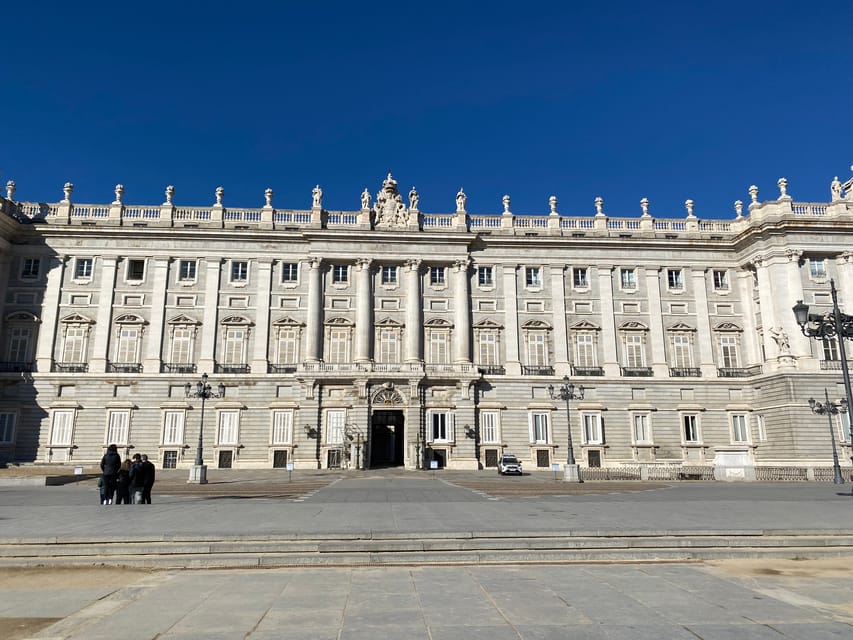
[{"x": 665, "y": 100}]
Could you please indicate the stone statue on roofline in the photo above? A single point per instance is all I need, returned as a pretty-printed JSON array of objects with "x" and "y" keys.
[
  {"x": 461, "y": 199},
  {"x": 389, "y": 210},
  {"x": 835, "y": 189},
  {"x": 414, "y": 198},
  {"x": 365, "y": 199},
  {"x": 317, "y": 197}
]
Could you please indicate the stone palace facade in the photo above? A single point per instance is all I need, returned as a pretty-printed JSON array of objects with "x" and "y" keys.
[{"x": 390, "y": 336}]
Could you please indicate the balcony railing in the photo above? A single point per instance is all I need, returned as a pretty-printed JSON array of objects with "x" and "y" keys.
[
  {"x": 232, "y": 368},
  {"x": 739, "y": 372},
  {"x": 492, "y": 369},
  {"x": 16, "y": 367},
  {"x": 685, "y": 372},
  {"x": 587, "y": 371},
  {"x": 537, "y": 371},
  {"x": 281, "y": 368},
  {"x": 637, "y": 372},
  {"x": 832, "y": 365},
  {"x": 70, "y": 367},
  {"x": 124, "y": 367},
  {"x": 174, "y": 367}
]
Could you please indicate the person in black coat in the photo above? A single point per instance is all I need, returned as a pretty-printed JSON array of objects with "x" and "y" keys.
[
  {"x": 150, "y": 472},
  {"x": 137, "y": 479},
  {"x": 110, "y": 465},
  {"x": 123, "y": 483}
]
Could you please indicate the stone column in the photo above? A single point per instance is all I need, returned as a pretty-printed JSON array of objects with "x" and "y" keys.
[
  {"x": 558, "y": 297},
  {"x": 510, "y": 287},
  {"x": 414, "y": 312},
  {"x": 48, "y": 334},
  {"x": 785, "y": 297},
  {"x": 364, "y": 312},
  {"x": 314, "y": 324},
  {"x": 156, "y": 334},
  {"x": 101, "y": 341},
  {"x": 461, "y": 313},
  {"x": 207, "y": 355},
  {"x": 262, "y": 317},
  {"x": 610, "y": 361},
  {"x": 844, "y": 282},
  {"x": 656, "y": 333},
  {"x": 745, "y": 289},
  {"x": 704, "y": 338},
  {"x": 765, "y": 301}
]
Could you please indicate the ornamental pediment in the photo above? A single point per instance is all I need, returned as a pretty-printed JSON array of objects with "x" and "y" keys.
[
  {"x": 182, "y": 319},
  {"x": 727, "y": 326},
  {"x": 340, "y": 322},
  {"x": 22, "y": 316},
  {"x": 680, "y": 326},
  {"x": 438, "y": 323},
  {"x": 535, "y": 324},
  {"x": 233, "y": 320},
  {"x": 584, "y": 325},
  {"x": 287, "y": 321},
  {"x": 129, "y": 318},
  {"x": 487, "y": 324},
  {"x": 633, "y": 325},
  {"x": 76, "y": 318},
  {"x": 388, "y": 322}
]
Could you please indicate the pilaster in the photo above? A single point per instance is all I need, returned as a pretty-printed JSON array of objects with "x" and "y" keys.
[
  {"x": 610, "y": 361},
  {"x": 558, "y": 299},
  {"x": 414, "y": 315},
  {"x": 703, "y": 323},
  {"x": 260, "y": 349},
  {"x": 314, "y": 325},
  {"x": 364, "y": 312},
  {"x": 55, "y": 273},
  {"x": 461, "y": 313},
  {"x": 656, "y": 333},
  {"x": 510, "y": 287},
  {"x": 156, "y": 333},
  {"x": 100, "y": 343},
  {"x": 207, "y": 355}
]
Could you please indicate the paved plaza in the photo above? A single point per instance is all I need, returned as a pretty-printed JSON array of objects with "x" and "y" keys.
[{"x": 748, "y": 599}]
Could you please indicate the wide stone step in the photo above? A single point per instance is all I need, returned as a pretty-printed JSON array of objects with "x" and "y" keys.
[{"x": 421, "y": 549}]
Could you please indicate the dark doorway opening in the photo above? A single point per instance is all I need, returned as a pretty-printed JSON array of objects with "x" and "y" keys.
[
  {"x": 386, "y": 439},
  {"x": 225, "y": 459}
]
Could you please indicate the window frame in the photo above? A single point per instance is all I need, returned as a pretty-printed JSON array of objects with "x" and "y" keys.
[
  {"x": 739, "y": 428},
  {"x": 437, "y": 276},
  {"x": 30, "y": 268},
  {"x": 540, "y": 429},
  {"x": 675, "y": 279},
  {"x": 441, "y": 426},
  {"x": 820, "y": 274},
  {"x": 694, "y": 420},
  {"x": 174, "y": 425},
  {"x": 580, "y": 277},
  {"x": 71, "y": 415},
  {"x": 627, "y": 279},
  {"x": 490, "y": 426},
  {"x": 221, "y": 427},
  {"x": 8, "y": 422},
  {"x": 118, "y": 427},
  {"x": 721, "y": 279},
  {"x": 84, "y": 268},
  {"x": 187, "y": 270},
  {"x": 281, "y": 427},
  {"x": 592, "y": 432},
  {"x": 340, "y": 274},
  {"x": 389, "y": 275},
  {"x": 289, "y": 273},
  {"x": 238, "y": 272},
  {"x": 533, "y": 277},
  {"x": 641, "y": 428},
  {"x": 131, "y": 269},
  {"x": 485, "y": 276}
]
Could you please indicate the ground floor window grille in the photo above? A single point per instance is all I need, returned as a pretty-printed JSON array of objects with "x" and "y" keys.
[
  {"x": 491, "y": 458},
  {"x": 543, "y": 458},
  {"x": 279, "y": 459},
  {"x": 170, "y": 459}
]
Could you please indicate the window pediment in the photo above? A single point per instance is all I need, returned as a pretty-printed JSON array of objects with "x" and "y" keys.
[
  {"x": 584, "y": 325},
  {"x": 129, "y": 318},
  {"x": 235, "y": 320},
  {"x": 287, "y": 321},
  {"x": 388, "y": 322},
  {"x": 727, "y": 326},
  {"x": 76, "y": 318},
  {"x": 487, "y": 324},
  {"x": 681, "y": 326},
  {"x": 633, "y": 325},
  {"x": 535, "y": 324},
  {"x": 438, "y": 323},
  {"x": 340, "y": 322},
  {"x": 182, "y": 319},
  {"x": 22, "y": 316}
]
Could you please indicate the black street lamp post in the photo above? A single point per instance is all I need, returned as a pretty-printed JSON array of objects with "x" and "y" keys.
[
  {"x": 198, "y": 472},
  {"x": 831, "y": 409},
  {"x": 568, "y": 392},
  {"x": 830, "y": 325}
]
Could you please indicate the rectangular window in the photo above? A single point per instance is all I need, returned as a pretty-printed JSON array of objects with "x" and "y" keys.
[
  {"x": 19, "y": 344},
  {"x": 634, "y": 352},
  {"x": 388, "y": 346},
  {"x": 436, "y": 276},
  {"x": 761, "y": 428},
  {"x": 340, "y": 273},
  {"x": 830, "y": 348},
  {"x": 136, "y": 270},
  {"x": 83, "y": 268},
  {"x": 239, "y": 271},
  {"x": 7, "y": 427},
  {"x": 128, "y": 344},
  {"x": 438, "y": 347},
  {"x": 592, "y": 428},
  {"x": 721, "y": 280},
  {"x": 173, "y": 427},
  {"x": 728, "y": 352},
  {"x": 489, "y": 431},
  {"x": 117, "y": 427},
  {"x": 539, "y": 432},
  {"x": 487, "y": 353},
  {"x": 289, "y": 272},
  {"x": 441, "y": 426},
  {"x": 60, "y": 432},
  {"x": 30, "y": 268},
  {"x": 533, "y": 277},
  {"x": 740, "y": 428},
  {"x": 537, "y": 354},
  {"x": 681, "y": 353},
  {"x": 335, "y": 426},
  {"x": 675, "y": 279},
  {"x": 229, "y": 422},
  {"x": 339, "y": 345},
  {"x": 181, "y": 345},
  {"x": 690, "y": 425},
  {"x": 235, "y": 342},
  {"x": 585, "y": 350},
  {"x": 486, "y": 276},
  {"x": 282, "y": 427},
  {"x": 389, "y": 274},
  {"x": 288, "y": 351},
  {"x": 628, "y": 279},
  {"x": 186, "y": 270},
  {"x": 844, "y": 419},
  {"x": 641, "y": 432},
  {"x": 72, "y": 349},
  {"x": 817, "y": 268},
  {"x": 580, "y": 278}
]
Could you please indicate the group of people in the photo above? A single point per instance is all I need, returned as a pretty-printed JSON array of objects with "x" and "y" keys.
[{"x": 127, "y": 482}]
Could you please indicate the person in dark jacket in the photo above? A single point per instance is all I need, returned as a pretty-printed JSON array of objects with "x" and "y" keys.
[
  {"x": 150, "y": 472},
  {"x": 123, "y": 483},
  {"x": 110, "y": 465},
  {"x": 137, "y": 479}
]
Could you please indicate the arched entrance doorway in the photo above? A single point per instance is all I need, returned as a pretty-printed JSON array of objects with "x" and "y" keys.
[{"x": 387, "y": 436}]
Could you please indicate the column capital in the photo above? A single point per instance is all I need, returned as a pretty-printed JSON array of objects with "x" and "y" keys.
[
  {"x": 793, "y": 255},
  {"x": 461, "y": 265},
  {"x": 414, "y": 264},
  {"x": 364, "y": 263},
  {"x": 315, "y": 262}
]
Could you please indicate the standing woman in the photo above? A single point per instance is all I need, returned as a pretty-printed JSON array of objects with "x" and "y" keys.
[
  {"x": 123, "y": 483},
  {"x": 110, "y": 465}
]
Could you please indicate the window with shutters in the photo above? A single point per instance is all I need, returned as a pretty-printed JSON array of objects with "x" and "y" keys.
[
  {"x": 641, "y": 429},
  {"x": 173, "y": 427},
  {"x": 634, "y": 350},
  {"x": 62, "y": 426},
  {"x": 681, "y": 351},
  {"x": 118, "y": 423},
  {"x": 591, "y": 432},
  {"x": 234, "y": 349},
  {"x": 288, "y": 345},
  {"x": 441, "y": 426},
  {"x": 585, "y": 350},
  {"x": 335, "y": 421},
  {"x": 540, "y": 432},
  {"x": 489, "y": 427},
  {"x": 282, "y": 427},
  {"x": 229, "y": 425}
]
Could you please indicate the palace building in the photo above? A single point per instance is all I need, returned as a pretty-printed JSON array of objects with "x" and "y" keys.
[{"x": 388, "y": 336}]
